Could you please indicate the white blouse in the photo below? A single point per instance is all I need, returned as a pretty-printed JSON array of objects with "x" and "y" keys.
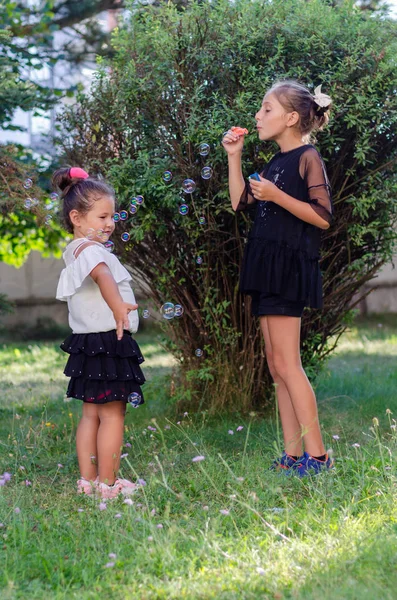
[{"x": 88, "y": 311}]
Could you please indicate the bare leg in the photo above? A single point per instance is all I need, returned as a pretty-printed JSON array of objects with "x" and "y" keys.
[
  {"x": 291, "y": 428},
  {"x": 110, "y": 439},
  {"x": 86, "y": 441},
  {"x": 284, "y": 333}
]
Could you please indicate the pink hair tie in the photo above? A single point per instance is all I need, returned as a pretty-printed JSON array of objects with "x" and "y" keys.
[{"x": 77, "y": 173}]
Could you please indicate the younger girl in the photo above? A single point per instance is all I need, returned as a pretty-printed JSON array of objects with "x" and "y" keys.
[
  {"x": 104, "y": 359},
  {"x": 281, "y": 261}
]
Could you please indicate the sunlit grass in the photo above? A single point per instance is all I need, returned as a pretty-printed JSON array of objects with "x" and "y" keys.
[{"x": 223, "y": 528}]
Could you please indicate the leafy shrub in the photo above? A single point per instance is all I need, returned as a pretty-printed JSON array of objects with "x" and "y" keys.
[{"x": 177, "y": 80}]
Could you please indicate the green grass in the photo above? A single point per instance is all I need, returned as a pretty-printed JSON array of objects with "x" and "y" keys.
[{"x": 331, "y": 537}]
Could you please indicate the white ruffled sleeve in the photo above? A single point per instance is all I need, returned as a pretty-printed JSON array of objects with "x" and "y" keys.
[{"x": 73, "y": 276}]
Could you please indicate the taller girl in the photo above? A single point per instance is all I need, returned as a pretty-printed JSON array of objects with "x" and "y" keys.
[{"x": 280, "y": 268}]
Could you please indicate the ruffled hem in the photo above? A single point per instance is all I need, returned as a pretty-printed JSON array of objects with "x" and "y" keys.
[
  {"x": 92, "y": 344},
  {"x": 73, "y": 276},
  {"x": 102, "y": 392},
  {"x": 274, "y": 268},
  {"x": 102, "y": 368}
]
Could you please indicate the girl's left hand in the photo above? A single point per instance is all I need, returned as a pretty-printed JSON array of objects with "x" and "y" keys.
[{"x": 263, "y": 189}]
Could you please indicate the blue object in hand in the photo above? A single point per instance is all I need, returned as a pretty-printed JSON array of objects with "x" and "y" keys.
[{"x": 254, "y": 176}]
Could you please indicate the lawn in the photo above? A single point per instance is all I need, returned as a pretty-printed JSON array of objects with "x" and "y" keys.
[{"x": 221, "y": 528}]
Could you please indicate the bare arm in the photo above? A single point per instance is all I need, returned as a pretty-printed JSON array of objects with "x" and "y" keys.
[
  {"x": 266, "y": 190},
  {"x": 302, "y": 210},
  {"x": 103, "y": 277},
  {"x": 233, "y": 144}
]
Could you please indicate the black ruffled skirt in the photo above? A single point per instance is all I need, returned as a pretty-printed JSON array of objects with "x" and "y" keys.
[{"x": 104, "y": 369}]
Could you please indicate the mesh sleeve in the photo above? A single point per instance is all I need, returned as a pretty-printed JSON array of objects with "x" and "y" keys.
[
  {"x": 247, "y": 197},
  {"x": 312, "y": 170}
]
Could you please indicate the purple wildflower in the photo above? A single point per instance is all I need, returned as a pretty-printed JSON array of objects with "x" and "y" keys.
[
  {"x": 198, "y": 459},
  {"x": 231, "y": 432},
  {"x": 141, "y": 482},
  {"x": 102, "y": 506},
  {"x": 17, "y": 510},
  {"x": 109, "y": 565},
  {"x": 240, "y": 428},
  {"x": 117, "y": 516},
  {"x": 224, "y": 511}
]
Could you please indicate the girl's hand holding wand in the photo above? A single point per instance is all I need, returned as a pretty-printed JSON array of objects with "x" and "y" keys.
[
  {"x": 268, "y": 191},
  {"x": 264, "y": 189}
]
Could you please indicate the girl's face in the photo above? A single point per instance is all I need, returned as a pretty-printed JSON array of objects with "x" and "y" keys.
[
  {"x": 100, "y": 217},
  {"x": 272, "y": 121}
]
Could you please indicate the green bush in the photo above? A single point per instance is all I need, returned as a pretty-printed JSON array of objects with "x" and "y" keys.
[{"x": 178, "y": 79}]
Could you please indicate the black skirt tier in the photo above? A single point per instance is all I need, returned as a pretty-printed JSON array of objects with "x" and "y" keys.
[
  {"x": 274, "y": 268},
  {"x": 104, "y": 369}
]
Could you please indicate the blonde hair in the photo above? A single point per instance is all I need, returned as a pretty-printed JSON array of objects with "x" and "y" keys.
[{"x": 293, "y": 96}]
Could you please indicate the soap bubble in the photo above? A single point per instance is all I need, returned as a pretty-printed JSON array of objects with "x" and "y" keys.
[
  {"x": 189, "y": 186},
  {"x": 135, "y": 399},
  {"x": 133, "y": 209},
  {"x": 179, "y": 310},
  {"x": 199, "y": 260},
  {"x": 123, "y": 215},
  {"x": 199, "y": 353},
  {"x": 54, "y": 196},
  {"x": 125, "y": 236},
  {"x": 90, "y": 234},
  {"x": 206, "y": 172},
  {"x": 168, "y": 311},
  {"x": 116, "y": 217},
  {"x": 109, "y": 245},
  {"x": 167, "y": 176},
  {"x": 202, "y": 220},
  {"x": 50, "y": 205},
  {"x": 146, "y": 314},
  {"x": 28, "y": 184},
  {"x": 133, "y": 201},
  {"x": 139, "y": 200},
  {"x": 204, "y": 149},
  {"x": 35, "y": 201},
  {"x": 102, "y": 236},
  {"x": 48, "y": 220},
  {"x": 183, "y": 209},
  {"x": 28, "y": 203}
]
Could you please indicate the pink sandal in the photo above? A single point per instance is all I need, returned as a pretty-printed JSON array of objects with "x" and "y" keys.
[{"x": 86, "y": 487}]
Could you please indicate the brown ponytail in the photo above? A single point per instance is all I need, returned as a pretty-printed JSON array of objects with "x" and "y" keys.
[{"x": 78, "y": 194}]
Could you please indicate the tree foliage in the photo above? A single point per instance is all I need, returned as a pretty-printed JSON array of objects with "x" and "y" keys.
[{"x": 177, "y": 80}]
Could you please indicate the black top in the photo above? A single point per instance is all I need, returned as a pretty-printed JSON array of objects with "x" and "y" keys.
[{"x": 282, "y": 252}]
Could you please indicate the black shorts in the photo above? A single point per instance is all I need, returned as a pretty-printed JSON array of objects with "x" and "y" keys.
[{"x": 272, "y": 304}]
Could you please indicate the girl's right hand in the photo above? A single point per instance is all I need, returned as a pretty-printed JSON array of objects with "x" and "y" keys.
[
  {"x": 120, "y": 314},
  {"x": 233, "y": 143}
]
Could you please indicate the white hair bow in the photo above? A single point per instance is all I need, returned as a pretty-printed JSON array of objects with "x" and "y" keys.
[{"x": 321, "y": 99}]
